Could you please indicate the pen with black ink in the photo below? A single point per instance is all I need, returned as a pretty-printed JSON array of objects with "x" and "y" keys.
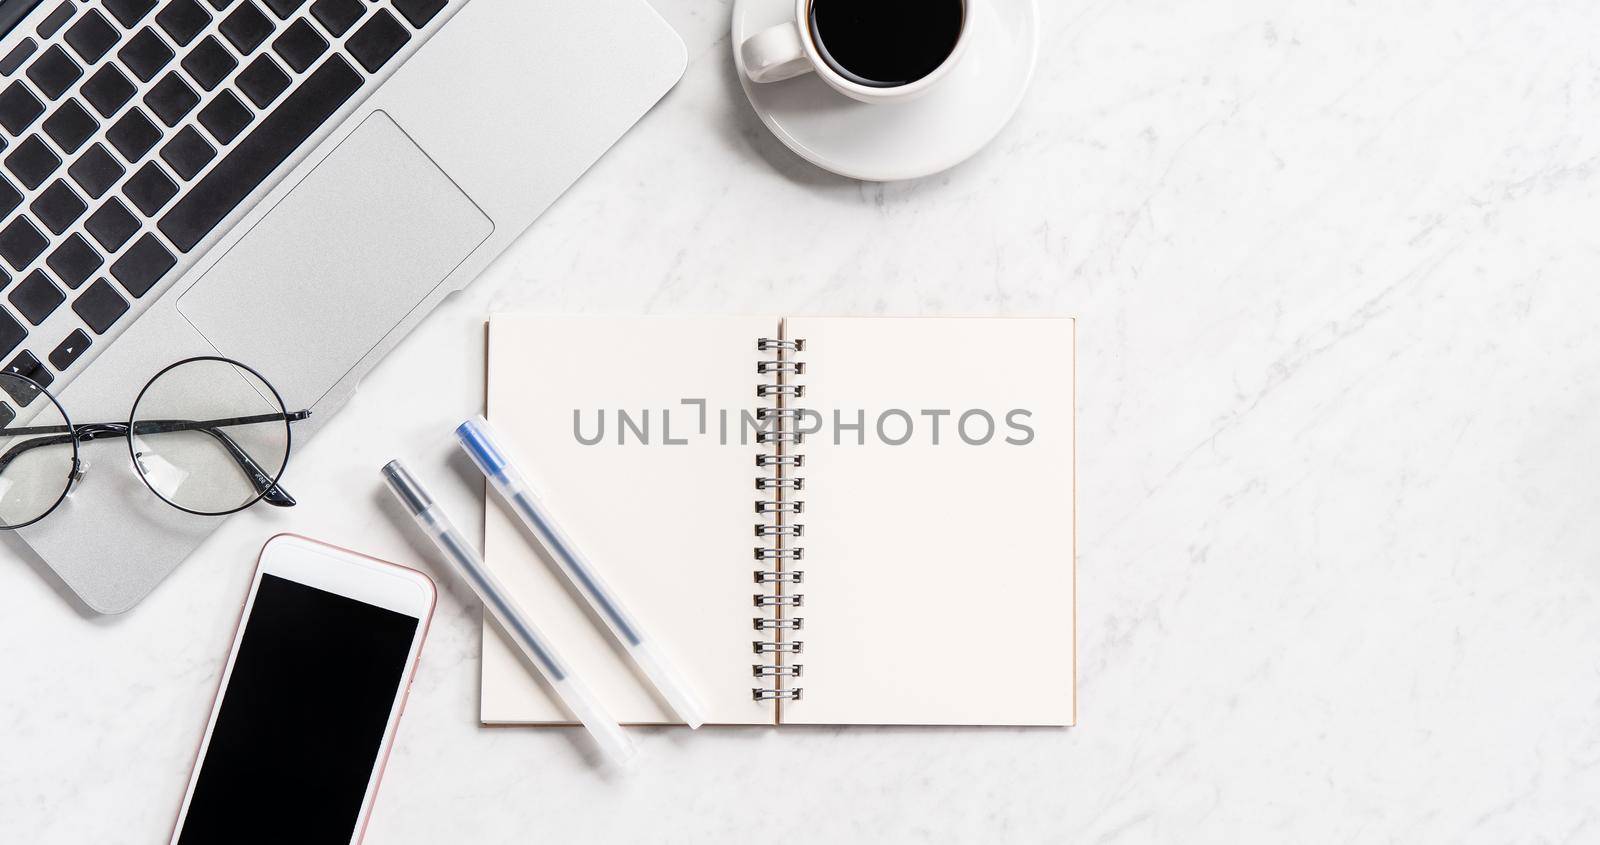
[{"x": 460, "y": 554}]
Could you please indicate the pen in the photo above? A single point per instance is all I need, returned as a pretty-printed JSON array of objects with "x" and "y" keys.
[
  {"x": 478, "y": 440},
  {"x": 606, "y": 732}
]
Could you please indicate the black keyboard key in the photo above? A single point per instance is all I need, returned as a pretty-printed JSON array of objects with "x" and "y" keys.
[
  {"x": 96, "y": 171},
  {"x": 98, "y": 306},
  {"x": 68, "y": 351},
  {"x": 58, "y": 207},
  {"x": 32, "y": 162},
  {"x": 12, "y": 332},
  {"x": 18, "y": 108},
  {"x": 112, "y": 225},
  {"x": 20, "y": 243},
  {"x": 246, "y": 27},
  {"x": 262, "y": 81},
  {"x": 14, "y": 59},
  {"x": 284, "y": 8},
  {"x": 10, "y": 198},
  {"x": 182, "y": 20},
  {"x": 145, "y": 54},
  {"x": 107, "y": 90},
  {"x": 300, "y": 46},
  {"x": 53, "y": 22},
  {"x": 70, "y": 126},
  {"x": 187, "y": 153},
  {"x": 143, "y": 265},
  {"x": 129, "y": 11},
  {"x": 377, "y": 40},
  {"x": 35, "y": 298},
  {"x": 225, "y": 117},
  {"x": 149, "y": 189},
  {"x": 419, "y": 12},
  {"x": 7, "y": 414},
  {"x": 54, "y": 72},
  {"x": 267, "y": 146},
  {"x": 74, "y": 261},
  {"x": 133, "y": 135},
  {"x": 92, "y": 37},
  {"x": 209, "y": 63},
  {"x": 24, "y": 396},
  {"x": 219, "y": 5},
  {"x": 171, "y": 99},
  {"x": 337, "y": 16},
  {"x": 27, "y": 366}
]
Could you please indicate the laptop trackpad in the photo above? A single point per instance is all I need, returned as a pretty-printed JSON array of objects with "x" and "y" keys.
[{"x": 319, "y": 281}]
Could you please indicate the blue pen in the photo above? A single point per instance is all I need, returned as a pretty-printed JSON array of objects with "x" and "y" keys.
[{"x": 479, "y": 442}]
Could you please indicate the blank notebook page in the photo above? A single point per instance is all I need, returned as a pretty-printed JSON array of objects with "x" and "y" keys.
[
  {"x": 938, "y": 578},
  {"x": 667, "y": 526}
]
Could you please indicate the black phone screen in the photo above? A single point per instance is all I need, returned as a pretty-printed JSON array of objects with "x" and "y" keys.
[{"x": 302, "y": 718}]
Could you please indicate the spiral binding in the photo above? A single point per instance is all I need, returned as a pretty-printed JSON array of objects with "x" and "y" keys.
[{"x": 776, "y": 538}]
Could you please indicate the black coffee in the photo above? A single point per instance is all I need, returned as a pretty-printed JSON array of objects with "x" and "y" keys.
[{"x": 885, "y": 43}]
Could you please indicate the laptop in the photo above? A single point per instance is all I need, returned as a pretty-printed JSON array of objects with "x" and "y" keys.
[{"x": 290, "y": 183}]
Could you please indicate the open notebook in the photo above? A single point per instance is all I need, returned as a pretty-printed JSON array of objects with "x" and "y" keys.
[{"x": 910, "y": 560}]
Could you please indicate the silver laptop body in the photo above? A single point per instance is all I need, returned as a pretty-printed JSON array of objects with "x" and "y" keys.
[{"x": 375, "y": 176}]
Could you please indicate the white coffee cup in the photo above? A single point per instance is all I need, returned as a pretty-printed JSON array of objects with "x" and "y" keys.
[{"x": 789, "y": 49}]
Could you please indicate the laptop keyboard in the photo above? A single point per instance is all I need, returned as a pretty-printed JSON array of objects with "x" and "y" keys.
[{"x": 133, "y": 128}]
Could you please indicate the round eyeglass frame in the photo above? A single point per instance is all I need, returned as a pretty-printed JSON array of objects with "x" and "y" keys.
[
  {"x": 75, "y": 473},
  {"x": 288, "y": 434}
]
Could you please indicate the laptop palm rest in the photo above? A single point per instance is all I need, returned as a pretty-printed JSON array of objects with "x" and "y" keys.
[{"x": 333, "y": 267}]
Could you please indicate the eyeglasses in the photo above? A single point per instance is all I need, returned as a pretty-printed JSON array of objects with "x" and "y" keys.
[{"x": 208, "y": 435}]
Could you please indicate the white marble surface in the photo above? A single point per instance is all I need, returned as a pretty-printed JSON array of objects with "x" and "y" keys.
[{"x": 1340, "y": 575}]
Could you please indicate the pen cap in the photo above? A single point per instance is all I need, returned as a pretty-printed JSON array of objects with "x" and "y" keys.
[
  {"x": 612, "y": 740},
  {"x": 669, "y": 683},
  {"x": 406, "y": 488},
  {"x": 478, "y": 440}
]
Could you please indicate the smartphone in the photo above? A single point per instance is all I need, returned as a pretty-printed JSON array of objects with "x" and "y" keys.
[{"x": 309, "y": 700}]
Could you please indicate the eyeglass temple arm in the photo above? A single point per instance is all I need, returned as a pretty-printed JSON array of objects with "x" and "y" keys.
[
  {"x": 164, "y": 426},
  {"x": 271, "y": 493},
  {"x": 16, "y": 451}
]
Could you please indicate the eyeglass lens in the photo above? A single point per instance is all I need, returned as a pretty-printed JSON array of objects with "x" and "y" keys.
[{"x": 209, "y": 436}]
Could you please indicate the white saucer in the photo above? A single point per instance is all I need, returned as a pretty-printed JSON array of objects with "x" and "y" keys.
[{"x": 885, "y": 142}]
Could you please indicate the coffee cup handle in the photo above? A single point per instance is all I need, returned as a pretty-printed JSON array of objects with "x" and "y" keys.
[{"x": 775, "y": 54}]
